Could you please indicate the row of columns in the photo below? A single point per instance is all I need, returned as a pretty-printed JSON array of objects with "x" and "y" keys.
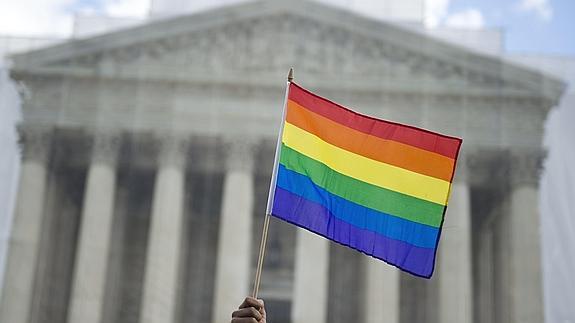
[
  {"x": 160, "y": 290},
  {"x": 382, "y": 282},
  {"x": 233, "y": 269}
]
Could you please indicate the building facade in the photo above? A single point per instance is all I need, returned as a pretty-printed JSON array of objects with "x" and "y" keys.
[{"x": 147, "y": 152}]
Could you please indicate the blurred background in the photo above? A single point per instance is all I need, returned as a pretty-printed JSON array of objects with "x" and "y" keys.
[{"x": 137, "y": 141}]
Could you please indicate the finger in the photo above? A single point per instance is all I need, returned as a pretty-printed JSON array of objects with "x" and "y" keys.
[
  {"x": 248, "y": 312},
  {"x": 244, "y": 320},
  {"x": 251, "y": 302},
  {"x": 263, "y": 308}
]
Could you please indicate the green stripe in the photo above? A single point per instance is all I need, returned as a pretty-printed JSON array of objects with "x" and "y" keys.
[{"x": 371, "y": 196}]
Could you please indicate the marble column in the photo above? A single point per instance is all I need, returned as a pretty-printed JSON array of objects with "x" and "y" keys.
[
  {"x": 160, "y": 292},
  {"x": 92, "y": 252},
  {"x": 382, "y": 290},
  {"x": 21, "y": 263},
  {"x": 453, "y": 265},
  {"x": 311, "y": 277},
  {"x": 233, "y": 266},
  {"x": 526, "y": 288}
]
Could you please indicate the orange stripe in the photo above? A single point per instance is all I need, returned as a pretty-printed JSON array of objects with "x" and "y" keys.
[
  {"x": 387, "y": 130},
  {"x": 386, "y": 151}
]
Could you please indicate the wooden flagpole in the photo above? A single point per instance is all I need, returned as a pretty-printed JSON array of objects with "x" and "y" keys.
[{"x": 271, "y": 194}]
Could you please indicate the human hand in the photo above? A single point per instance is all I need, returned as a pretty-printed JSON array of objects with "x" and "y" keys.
[{"x": 250, "y": 311}]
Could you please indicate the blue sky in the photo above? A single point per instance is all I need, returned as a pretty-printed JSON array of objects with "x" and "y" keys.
[{"x": 528, "y": 30}]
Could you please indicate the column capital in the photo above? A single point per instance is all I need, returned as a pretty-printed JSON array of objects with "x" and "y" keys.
[
  {"x": 35, "y": 142},
  {"x": 172, "y": 149},
  {"x": 239, "y": 154},
  {"x": 105, "y": 147},
  {"x": 525, "y": 167},
  {"x": 486, "y": 167}
]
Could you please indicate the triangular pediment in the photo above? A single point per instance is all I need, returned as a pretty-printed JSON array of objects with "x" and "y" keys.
[{"x": 263, "y": 37}]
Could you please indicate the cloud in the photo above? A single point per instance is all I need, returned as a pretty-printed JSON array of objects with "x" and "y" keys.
[
  {"x": 435, "y": 12},
  {"x": 36, "y": 17},
  {"x": 55, "y": 18},
  {"x": 542, "y": 8},
  {"x": 467, "y": 19},
  {"x": 127, "y": 8}
]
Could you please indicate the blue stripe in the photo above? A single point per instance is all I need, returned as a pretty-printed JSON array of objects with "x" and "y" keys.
[
  {"x": 316, "y": 218},
  {"x": 390, "y": 226}
]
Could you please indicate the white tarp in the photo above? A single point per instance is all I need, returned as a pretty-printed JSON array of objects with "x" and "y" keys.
[
  {"x": 9, "y": 159},
  {"x": 557, "y": 195}
]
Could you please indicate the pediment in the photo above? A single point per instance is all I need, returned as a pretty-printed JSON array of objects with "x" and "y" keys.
[
  {"x": 265, "y": 37},
  {"x": 262, "y": 44}
]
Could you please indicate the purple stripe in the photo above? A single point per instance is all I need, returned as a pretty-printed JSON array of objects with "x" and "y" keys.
[{"x": 316, "y": 218}]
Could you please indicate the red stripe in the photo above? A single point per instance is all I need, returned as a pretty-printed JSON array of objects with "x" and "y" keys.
[{"x": 420, "y": 138}]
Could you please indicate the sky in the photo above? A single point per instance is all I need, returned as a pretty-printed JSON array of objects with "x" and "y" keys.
[{"x": 531, "y": 26}]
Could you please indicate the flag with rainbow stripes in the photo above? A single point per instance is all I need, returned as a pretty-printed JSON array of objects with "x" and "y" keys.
[{"x": 376, "y": 186}]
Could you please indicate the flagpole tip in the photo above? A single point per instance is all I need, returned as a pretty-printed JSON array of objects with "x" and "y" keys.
[{"x": 290, "y": 75}]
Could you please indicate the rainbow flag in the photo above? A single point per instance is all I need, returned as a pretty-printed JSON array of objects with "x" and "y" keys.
[{"x": 376, "y": 186}]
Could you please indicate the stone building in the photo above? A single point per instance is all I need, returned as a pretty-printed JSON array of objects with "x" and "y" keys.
[{"x": 146, "y": 156}]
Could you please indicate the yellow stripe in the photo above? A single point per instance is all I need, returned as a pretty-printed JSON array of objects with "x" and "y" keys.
[{"x": 364, "y": 169}]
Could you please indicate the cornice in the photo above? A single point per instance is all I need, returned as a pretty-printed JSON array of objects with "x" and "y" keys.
[{"x": 270, "y": 80}]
